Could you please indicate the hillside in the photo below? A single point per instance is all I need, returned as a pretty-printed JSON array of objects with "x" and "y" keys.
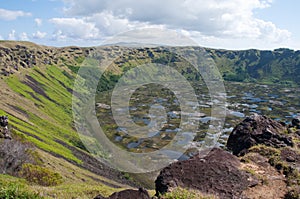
[
  {"x": 36, "y": 94},
  {"x": 278, "y": 66},
  {"x": 281, "y": 66}
]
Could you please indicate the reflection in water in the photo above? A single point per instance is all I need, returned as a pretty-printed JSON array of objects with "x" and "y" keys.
[{"x": 274, "y": 101}]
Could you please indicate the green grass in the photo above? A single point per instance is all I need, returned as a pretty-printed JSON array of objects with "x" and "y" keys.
[
  {"x": 49, "y": 121},
  {"x": 81, "y": 190},
  {"x": 15, "y": 188},
  {"x": 180, "y": 193},
  {"x": 51, "y": 118},
  {"x": 41, "y": 137},
  {"x": 54, "y": 121},
  {"x": 40, "y": 175}
]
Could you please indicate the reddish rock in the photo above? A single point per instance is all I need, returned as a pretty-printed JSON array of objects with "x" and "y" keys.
[
  {"x": 256, "y": 130},
  {"x": 292, "y": 157},
  {"x": 216, "y": 173},
  {"x": 128, "y": 194}
]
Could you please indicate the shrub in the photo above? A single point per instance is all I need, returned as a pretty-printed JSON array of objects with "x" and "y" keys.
[
  {"x": 127, "y": 176},
  {"x": 180, "y": 193},
  {"x": 13, "y": 191},
  {"x": 40, "y": 175},
  {"x": 265, "y": 151},
  {"x": 78, "y": 143},
  {"x": 13, "y": 154}
]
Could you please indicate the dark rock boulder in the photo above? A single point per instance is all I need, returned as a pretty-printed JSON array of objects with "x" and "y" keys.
[
  {"x": 128, "y": 194},
  {"x": 3, "y": 121},
  {"x": 296, "y": 123},
  {"x": 291, "y": 156},
  {"x": 99, "y": 197},
  {"x": 4, "y": 132},
  {"x": 255, "y": 130},
  {"x": 211, "y": 172}
]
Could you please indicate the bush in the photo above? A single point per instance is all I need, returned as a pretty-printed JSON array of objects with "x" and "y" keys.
[
  {"x": 13, "y": 154},
  {"x": 13, "y": 191},
  {"x": 40, "y": 175},
  {"x": 265, "y": 151},
  {"x": 78, "y": 143},
  {"x": 293, "y": 193},
  {"x": 180, "y": 193}
]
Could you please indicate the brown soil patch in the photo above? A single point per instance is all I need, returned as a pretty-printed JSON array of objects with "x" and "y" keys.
[{"x": 271, "y": 182}]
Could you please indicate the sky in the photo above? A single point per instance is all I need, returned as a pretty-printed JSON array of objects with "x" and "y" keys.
[{"x": 227, "y": 24}]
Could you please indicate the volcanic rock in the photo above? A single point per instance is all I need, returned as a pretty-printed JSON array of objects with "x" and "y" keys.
[
  {"x": 128, "y": 194},
  {"x": 296, "y": 123},
  {"x": 255, "y": 130},
  {"x": 211, "y": 172}
]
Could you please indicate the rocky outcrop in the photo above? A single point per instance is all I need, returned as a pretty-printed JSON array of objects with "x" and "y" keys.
[
  {"x": 4, "y": 132},
  {"x": 269, "y": 167},
  {"x": 216, "y": 173},
  {"x": 255, "y": 130},
  {"x": 15, "y": 56},
  {"x": 3, "y": 121},
  {"x": 128, "y": 194},
  {"x": 296, "y": 123},
  {"x": 259, "y": 136},
  {"x": 291, "y": 157}
]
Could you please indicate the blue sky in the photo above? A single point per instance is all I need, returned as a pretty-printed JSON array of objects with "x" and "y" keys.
[{"x": 229, "y": 24}]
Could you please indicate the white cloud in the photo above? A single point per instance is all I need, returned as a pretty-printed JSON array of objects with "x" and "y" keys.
[
  {"x": 38, "y": 21},
  {"x": 227, "y": 19},
  {"x": 272, "y": 33},
  {"x": 12, "y": 35},
  {"x": 95, "y": 28},
  {"x": 39, "y": 35},
  {"x": 12, "y": 15},
  {"x": 108, "y": 23},
  {"x": 111, "y": 25},
  {"x": 1, "y": 38},
  {"x": 23, "y": 36},
  {"x": 74, "y": 28}
]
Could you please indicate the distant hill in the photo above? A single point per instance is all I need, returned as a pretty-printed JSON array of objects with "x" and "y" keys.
[{"x": 280, "y": 66}]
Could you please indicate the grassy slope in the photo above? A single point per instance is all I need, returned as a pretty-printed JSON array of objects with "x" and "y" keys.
[
  {"x": 45, "y": 119},
  {"x": 77, "y": 182},
  {"x": 48, "y": 120}
]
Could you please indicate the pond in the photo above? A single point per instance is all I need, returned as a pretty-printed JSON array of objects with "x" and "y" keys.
[{"x": 157, "y": 110}]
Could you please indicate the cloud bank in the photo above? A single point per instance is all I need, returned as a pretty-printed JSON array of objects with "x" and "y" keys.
[
  {"x": 10, "y": 15},
  {"x": 219, "y": 19}
]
